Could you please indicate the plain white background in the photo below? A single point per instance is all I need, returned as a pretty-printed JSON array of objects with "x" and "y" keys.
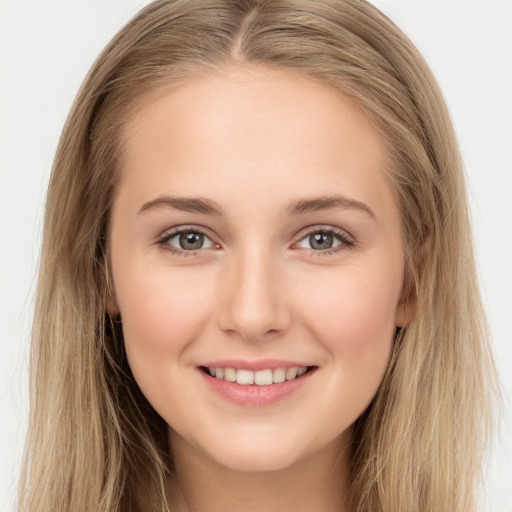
[{"x": 47, "y": 47}]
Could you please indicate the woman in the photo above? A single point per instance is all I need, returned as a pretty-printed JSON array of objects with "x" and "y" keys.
[{"x": 257, "y": 280}]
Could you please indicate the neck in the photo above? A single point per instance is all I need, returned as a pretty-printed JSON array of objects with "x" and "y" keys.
[{"x": 316, "y": 483}]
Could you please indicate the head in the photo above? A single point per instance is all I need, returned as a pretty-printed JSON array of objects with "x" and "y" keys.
[{"x": 436, "y": 357}]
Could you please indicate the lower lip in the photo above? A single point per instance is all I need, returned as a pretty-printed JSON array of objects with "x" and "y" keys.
[{"x": 252, "y": 395}]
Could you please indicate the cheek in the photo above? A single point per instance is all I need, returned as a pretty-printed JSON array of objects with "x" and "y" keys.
[
  {"x": 358, "y": 307},
  {"x": 354, "y": 318},
  {"x": 162, "y": 314}
]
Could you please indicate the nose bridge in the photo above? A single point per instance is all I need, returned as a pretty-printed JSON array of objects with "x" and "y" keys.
[{"x": 254, "y": 303}]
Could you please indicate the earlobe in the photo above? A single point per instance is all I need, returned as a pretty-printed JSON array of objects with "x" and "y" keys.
[
  {"x": 406, "y": 308},
  {"x": 404, "y": 312},
  {"x": 111, "y": 306}
]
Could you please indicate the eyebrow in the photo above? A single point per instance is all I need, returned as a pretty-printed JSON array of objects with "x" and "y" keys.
[
  {"x": 186, "y": 204},
  {"x": 209, "y": 207},
  {"x": 317, "y": 204}
]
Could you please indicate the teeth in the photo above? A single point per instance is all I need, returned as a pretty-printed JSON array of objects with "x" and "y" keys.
[
  {"x": 291, "y": 373},
  {"x": 263, "y": 377},
  {"x": 244, "y": 377},
  {"x": 229, "y": 374},
  {"x": 259, "y": 378},
  {"x": 279, "y": 375}
]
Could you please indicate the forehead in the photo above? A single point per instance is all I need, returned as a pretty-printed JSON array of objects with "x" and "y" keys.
[{"x": 247, "y": 125}]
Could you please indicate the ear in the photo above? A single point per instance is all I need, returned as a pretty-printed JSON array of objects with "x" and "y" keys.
[
  {"x": 111, "y": 306},
  {"x": 406, "y": 308}
]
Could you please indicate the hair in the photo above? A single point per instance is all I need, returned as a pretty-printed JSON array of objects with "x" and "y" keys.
[{"x": 94, "y": 442}]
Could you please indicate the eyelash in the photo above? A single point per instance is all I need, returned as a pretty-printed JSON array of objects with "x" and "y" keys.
[
  {"x": 347, "y": 242},
  {"x": 163, "y": 242}
]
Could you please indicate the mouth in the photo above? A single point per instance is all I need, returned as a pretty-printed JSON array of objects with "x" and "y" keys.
[{"x": 263, "y": 377}]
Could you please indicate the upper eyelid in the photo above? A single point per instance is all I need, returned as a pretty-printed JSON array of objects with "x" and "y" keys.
[
  {"x": 170, "y": 232},
  {"x": 201, "y": 229},
  {"x": 323, "y": 228}
]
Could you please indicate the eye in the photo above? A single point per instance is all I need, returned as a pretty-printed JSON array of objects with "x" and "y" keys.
[
  {"x": 185, "y": 240},
  {"x": 326, "y": 240},
  {"x": 319, "y": 241}
]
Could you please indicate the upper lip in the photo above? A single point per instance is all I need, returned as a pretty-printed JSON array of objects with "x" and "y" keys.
[{"x": 260, "y": 364}]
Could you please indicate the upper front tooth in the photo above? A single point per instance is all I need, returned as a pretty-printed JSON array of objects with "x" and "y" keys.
[
  {"x": 245, "y": 377},
  {"x": 263, "y": 377},
  {"x": 230, "y": 374},
  {"x": 279, "y": 375}
]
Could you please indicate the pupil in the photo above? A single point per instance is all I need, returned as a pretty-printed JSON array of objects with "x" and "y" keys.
[
  {"x": 191, "y": 241},
  {"x": 321, "y": 241}
]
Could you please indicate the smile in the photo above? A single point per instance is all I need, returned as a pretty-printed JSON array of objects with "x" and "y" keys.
[
  {"x": 264, "y": 377},
  {"x": 255, "y": 383}
]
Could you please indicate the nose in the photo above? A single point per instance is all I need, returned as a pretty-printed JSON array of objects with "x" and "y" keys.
[{"x": 254, "y": 304}]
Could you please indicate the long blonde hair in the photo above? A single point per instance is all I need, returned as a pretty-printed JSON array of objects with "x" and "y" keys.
[{"x": 95, "y": 443}]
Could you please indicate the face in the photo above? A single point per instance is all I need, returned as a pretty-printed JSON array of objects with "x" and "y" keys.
[{"x": 255, "y": 236}]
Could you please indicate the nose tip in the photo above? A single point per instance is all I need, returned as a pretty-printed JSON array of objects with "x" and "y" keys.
[{"x": 254, "y": 302}]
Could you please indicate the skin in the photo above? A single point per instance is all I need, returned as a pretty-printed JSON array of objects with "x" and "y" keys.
[{"x": 255, "y": 140}]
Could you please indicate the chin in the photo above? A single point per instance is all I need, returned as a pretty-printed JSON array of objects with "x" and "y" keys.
[
  {"x": 251, "y": 460},
  {"x": 258, "y": 451}
]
